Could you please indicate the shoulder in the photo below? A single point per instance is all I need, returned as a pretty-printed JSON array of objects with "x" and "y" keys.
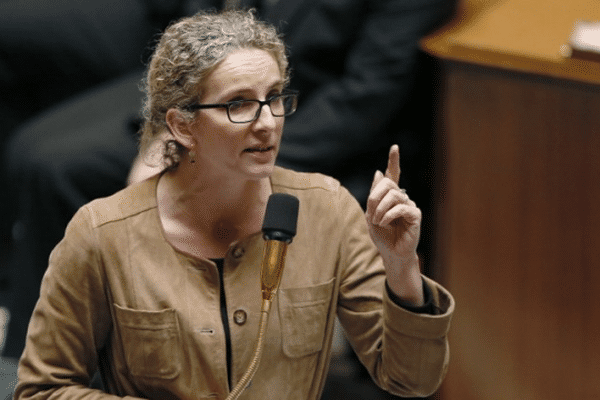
[
  {"x": 286, "y": 179},
  {"x": 130, "y": 201},
  {"x": 315, "y": 191}
]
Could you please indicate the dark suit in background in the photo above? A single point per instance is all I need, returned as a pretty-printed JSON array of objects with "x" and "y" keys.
[
  {"x": 364, "y": 85},
  {"x": 49, "y": 53}
]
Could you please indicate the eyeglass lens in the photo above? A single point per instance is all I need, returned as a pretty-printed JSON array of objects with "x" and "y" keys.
[{"x": 249, "y": 110}]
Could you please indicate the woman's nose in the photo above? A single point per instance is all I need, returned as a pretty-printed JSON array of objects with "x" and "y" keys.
[{"x": 265, "y": 117}]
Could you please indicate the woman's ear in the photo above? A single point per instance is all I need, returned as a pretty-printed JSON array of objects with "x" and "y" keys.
[{"x": 180, "y": 128}]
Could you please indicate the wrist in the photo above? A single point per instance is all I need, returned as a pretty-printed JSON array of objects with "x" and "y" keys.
[{"x": 405, "y": 281}]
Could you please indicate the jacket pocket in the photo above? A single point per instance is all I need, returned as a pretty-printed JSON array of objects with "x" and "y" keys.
[
  {"x": 304, "y": 313},
  {"x": 151, "y": 342}
]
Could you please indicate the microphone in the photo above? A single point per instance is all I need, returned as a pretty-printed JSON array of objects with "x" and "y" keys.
[{"x": 279, "y": 228}]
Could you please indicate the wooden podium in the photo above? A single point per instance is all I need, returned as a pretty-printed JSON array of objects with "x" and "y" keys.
[{"x": 518, "y": 201}]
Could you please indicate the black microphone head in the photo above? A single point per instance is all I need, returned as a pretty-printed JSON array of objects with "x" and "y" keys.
[{"x": 281, "y": 217}]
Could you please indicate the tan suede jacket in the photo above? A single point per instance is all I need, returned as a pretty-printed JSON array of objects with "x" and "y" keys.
[{"x": 118, "y": 297}]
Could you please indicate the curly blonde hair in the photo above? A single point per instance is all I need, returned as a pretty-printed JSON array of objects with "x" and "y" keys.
[{"x": 186, "y": 53}]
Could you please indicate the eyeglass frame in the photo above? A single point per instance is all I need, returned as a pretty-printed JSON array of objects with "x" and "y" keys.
[{"x": 261, "y": 103}]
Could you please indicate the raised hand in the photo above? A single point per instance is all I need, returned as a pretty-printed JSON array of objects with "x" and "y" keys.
[{"x": 394, "y": 222}]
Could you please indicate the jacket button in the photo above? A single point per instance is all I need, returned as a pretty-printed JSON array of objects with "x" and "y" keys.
[
  {"x": 239, "y": 317},
  {"x": 238, "y": 252}
]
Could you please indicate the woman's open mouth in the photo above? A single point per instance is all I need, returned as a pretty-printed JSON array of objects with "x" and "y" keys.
[{"x": 259, "y": 149}]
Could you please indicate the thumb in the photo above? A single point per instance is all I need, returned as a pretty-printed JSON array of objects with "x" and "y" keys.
[
  {"x": 393, "y": 167},
  {"x": 377, "y": 178}
]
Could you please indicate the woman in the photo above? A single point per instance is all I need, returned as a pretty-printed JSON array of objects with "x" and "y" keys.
[{"x": 158, "y": 285}]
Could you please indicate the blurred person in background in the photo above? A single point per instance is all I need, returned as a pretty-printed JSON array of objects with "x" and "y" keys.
[{"x": 51, "y": 52}]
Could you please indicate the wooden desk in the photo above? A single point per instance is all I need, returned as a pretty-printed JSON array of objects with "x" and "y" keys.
[
  {"x": 518, "y": 35},
  {"x": 518, "y": 201}
]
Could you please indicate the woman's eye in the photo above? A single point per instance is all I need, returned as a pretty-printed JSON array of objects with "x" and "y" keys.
[{"x": 240, "y": 105}]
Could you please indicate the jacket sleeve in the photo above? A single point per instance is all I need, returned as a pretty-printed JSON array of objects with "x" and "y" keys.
[
  {"x": 406, "y": 353},
  {"x": 70, "y": 323},
  {"x": 343, "y": 117}
]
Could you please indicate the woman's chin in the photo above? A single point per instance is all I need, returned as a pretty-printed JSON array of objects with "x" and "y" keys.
[{"x": 261, "y": 171}]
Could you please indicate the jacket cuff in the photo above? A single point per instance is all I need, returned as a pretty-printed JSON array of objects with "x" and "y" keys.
[
  {"x": 423, "y": 325},
  {"x": 426, "y": 308}
]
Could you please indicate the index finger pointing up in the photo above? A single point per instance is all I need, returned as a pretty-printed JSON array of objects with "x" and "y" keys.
[{"x": 393, "y": 168}]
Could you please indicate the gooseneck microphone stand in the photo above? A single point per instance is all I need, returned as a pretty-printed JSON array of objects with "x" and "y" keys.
[{"x": 279, "y": 228}]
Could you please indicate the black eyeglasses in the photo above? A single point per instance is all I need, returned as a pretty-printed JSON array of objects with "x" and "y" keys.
[{"x": 244, "y": 111}]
